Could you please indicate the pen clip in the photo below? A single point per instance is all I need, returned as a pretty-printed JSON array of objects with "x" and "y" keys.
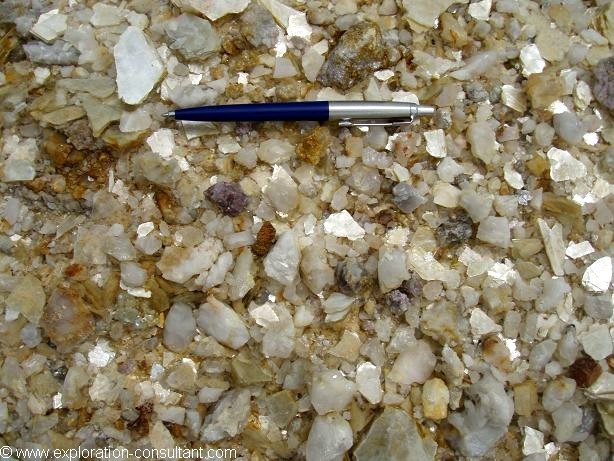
[{"x": 347, "y": 122}]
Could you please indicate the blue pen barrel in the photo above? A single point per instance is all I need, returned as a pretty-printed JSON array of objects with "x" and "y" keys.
[{"x": 316, "y": 111}]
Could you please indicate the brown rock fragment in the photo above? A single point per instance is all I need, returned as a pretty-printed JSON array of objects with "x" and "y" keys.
[
  {"x": 67, "y": 320},
  {"x": 264, "y": 239},
  {"x": 56, "y": 147},
  {"x": 584, "y": 371},
  {"x": 525, "y": 398},
  {"x": 312, "y": 148}
]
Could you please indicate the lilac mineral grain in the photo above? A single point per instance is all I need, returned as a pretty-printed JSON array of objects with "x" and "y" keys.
[{"x": 228, "y": 196}]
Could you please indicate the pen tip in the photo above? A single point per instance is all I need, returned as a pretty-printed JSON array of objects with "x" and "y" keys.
[{"x": 170, "y": 113}]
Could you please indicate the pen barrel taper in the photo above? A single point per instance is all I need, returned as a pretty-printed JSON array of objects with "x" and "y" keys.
[{"x": 316, "y": 111}]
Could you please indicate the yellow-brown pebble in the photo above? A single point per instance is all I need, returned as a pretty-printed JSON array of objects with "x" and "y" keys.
[{"x": 435, "y": 399}]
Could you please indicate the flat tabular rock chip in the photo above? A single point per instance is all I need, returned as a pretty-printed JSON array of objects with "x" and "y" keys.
[
  {"x": 67, "y": 320},
  {"x": 359, "y": 52},
  {"x": 192, "y": 36},
  {"x": 603, "y": 90},
  {"x": 137, "y": 64},
  {"x": 393, "y": 436}
]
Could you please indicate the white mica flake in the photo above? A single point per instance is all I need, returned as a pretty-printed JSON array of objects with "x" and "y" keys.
[
  {"x": 532, "y": 61},
  {"x": 480, "y": 10},
  {"x": 50, "y": 26},
  {"x": 342, "y": 224},
  {"x": 577, "y": 250},
  {"x": 597, "y": 276},
  {"x": 436, "y": 143},
  {"x": 101, "y": 355},
  {"x": 137, "y": 64},
  {"x": 162, "y": 142},
  {"x": 563, "y": 167}
]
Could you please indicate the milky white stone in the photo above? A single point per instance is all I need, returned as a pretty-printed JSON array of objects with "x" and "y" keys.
[
  {"x": 330, "y": 391},
  {"x": 481, "y": 323},
  {"x": 577, "y": 250},
  {"x": 476, "y": 65},
  {"x": 368, "y": 382},
  {"x": 162, "y": 142},
  {"x": 275, "y": 151},
  {"x": 295, "y": 22},
  {"x": 281, "y": 263},
  {"x": 446, "y": 195},
  {"x": 481, "y": 136},
  {"x": 512, "y": 177},
  {"x": 436, "y": 143},
  {"x": 242, "y": 275},
  {"x": 138, "y": 120},
  {"x": 329, "y": 438},
  {"x": 513, "y": 98},
  {"x": 414, "y": 365},
  {"x": 342, "y": 224},
  {"x": 563, "y": 166},
  {"x": 180, "y": 264},
  {"x": 532, "y": 62},
  {"x": 284, "y": 68},
  {"x": 105, "y": 15},
  {"x": 137, "y": 64},
  {"x": 220, "y": 321},
  {"x": 213, "y": 9},
  {"x": 228, "y": 418},
  {"x": 554, "y": 245},
  {"x": 179, "y": 327},
  {"x": 495, "y": 230},
  {"x": 312, "y": 62},
  {"x": 337, "y": 306},
  {"x": 597, "y": 276},
  {"x": 425, "y": 13},
  {"x": 50, "y": 26},
  {"x": 391, "y": 268},
  {"x": 132, "y": 274},
  {"x": 533, "y": 441},
  {"x": 480, "y": 10},
  {"x": 281, "y": 190}
]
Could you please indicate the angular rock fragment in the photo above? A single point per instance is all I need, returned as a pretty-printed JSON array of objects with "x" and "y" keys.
[
  {"x": 219, "y": 320},
  {"x": 193, "y": 37},
  {"x": 603, "y": 89},
  {"x": 67, "y": 319},
  {"x": 137, "y": 64},
  {"x": 27, "y": 299},
  {"x": 458, "y": 229},
  {"x": 229, "y": 197},
  {"x": 212, "y": 9},
  {"x": 329, "y": 438},
  {"x": 406, "y": 197},
  {"x": 330, "y": 391},
  {"x": 228, "y": 418},
  {"x": 393, "y": 436},
  {"x": 179, "y": 327},
  {"x": 314, "y": 145},
  {"x": 414, "y": 365},
  {"x": 359, "y": 51},
  {"x": 282, "y": 262},
  {"x": 179, "y": 264}
]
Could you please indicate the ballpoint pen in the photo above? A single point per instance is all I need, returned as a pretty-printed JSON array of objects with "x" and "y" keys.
[{"x": 348, "y": 113}]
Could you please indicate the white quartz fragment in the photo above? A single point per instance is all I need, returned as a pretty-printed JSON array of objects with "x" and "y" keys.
[
  {"x": 331, "y": 391},
  {"x": 329, "y": 438},
  {"x": 513, "y": 98},
  {"x": 368, "y": 382},
  {"x": 554, "y": 245},
  {"x": 275, "y": 151},
  {"x": 481, "y": 136},
  {"x": 228, "y": 418},
  {"x": 162, "y": 142},
  {"x": 219, "y": 320},
  {"x": 180, "y": 264},
  {"x": 476, "y": 65},
  {"x": 312, "y": 62},
  {"x": 281, "y": 190},
  {"x": 337, "y": 306},
  {"x": 532, "y": 62},
  {"x": 577, "y": 250},
  {"x": 295, "y": 22},
  {"x": 512, "y": 177},
  {"x": 424, "y": 14},
  {"x": 50, "y": 26},
  {"x": 284, "y": 68},
  {"x": 212, "y": 9},
  {"x": 533, "y": 441},
  {"x": 597, "y": 341},
  {"x": 598, "y": 276},
  {"x": 342, "y": 224},
  {"x": 391, "y": 268},
  {"x": 138, "y": 120},
  {"x": 414, "y": 365},
  {"x": 281, "y": 263},
  {"x": 481, "y": 323},
  {"x": 137, "y": 64},
  {"x": 446, "y": 195},
  {"x": 495, "y": 230},
  {"x": 105, "y": 15},
  {"x": 179, "y": 327},
  {"x": 436, "y": 143},
  {"x": 480, "y": 10},
  {"x": 563, "y": 167}
]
